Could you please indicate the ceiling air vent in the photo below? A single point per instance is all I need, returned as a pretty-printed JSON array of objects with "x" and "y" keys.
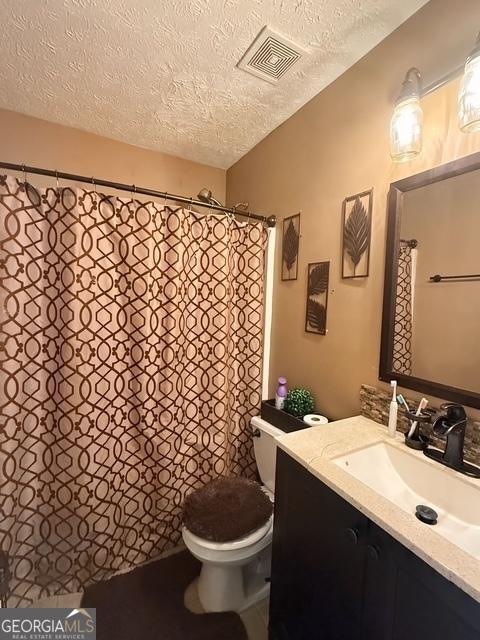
[{"x": 271, "y": 56}]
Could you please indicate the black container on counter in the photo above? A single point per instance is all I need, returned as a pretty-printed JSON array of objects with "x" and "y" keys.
[{"x": 280, "y": 418}]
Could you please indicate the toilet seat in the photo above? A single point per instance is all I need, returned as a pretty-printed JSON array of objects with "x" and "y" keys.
[
  {"x": 225, "y": 553},
  {"x": 240, "y": 543}
]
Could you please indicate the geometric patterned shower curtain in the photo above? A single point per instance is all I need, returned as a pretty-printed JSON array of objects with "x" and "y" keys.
[
  {"x": 402, "y": 338},
  {"x": 131, "y": 357}
]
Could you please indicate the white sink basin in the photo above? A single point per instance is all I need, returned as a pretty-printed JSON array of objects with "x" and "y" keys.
[{"x": 408, "y": 479}]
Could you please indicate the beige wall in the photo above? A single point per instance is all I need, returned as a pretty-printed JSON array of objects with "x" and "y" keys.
[
  {"x": 335, "y": 146},
  {"x": 30, "y": 141},
  {"x": 444, "y": 218}
]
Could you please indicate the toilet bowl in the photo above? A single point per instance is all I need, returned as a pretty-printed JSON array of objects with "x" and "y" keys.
[{"x": 234, "y": 574}]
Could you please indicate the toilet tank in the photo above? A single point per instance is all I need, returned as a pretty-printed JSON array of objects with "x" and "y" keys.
[{"x": 265, "y": 448}]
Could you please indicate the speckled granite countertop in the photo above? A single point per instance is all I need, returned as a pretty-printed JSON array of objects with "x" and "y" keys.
[{"x": 316, "y": 447}]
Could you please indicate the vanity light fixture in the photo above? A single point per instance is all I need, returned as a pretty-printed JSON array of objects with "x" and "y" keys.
[
  {"x": 406, "y": 126},
  {"x": 469, "y": 94}
]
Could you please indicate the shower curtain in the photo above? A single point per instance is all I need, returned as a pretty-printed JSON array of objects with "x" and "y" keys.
[
  {"x": 131, "y": 348},
  {"x": 402, "y": 338}
]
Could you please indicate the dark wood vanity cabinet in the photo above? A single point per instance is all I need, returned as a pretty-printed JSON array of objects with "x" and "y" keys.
[{"x": 338, "y": 576}]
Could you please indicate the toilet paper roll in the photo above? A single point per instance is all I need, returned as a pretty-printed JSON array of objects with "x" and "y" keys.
[{"x": 314, "y": 419}]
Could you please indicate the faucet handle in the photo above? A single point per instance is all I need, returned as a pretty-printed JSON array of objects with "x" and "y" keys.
[
  {"x": 452, "y": 421},
  {"x": 454, "y": 412}
]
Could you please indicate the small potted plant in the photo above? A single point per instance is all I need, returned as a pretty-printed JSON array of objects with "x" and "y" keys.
[{"x": 299, "y": 402}]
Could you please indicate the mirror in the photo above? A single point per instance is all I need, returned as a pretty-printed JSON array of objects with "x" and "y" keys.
[{"x": 431, "y": 313}]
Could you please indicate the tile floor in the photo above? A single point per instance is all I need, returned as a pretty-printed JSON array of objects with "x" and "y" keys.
[{"x": 255, "y": 618}]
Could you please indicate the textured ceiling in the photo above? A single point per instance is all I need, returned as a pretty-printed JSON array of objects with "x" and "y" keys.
[{"x": 162, "y": 75}]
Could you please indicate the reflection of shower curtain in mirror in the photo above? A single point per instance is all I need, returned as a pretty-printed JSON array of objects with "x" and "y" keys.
[{"x": 402, "y": 339}]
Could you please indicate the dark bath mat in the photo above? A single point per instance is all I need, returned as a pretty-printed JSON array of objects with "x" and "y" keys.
[{"x": 147, "y": 604}]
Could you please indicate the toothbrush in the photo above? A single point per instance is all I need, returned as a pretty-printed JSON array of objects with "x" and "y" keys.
[
  {"x": 422, "y": 404},
  {"x": 401, "y": 400},
  {"x": 392, "y": 416}
]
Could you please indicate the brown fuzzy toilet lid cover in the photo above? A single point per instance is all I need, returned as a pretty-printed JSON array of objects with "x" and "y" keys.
[{"x": 226, "y": 509}]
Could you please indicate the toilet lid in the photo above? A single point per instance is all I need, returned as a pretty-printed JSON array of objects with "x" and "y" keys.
[{"x": 226, "y": 510}]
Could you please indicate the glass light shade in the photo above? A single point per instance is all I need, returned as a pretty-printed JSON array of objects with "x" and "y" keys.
[
  {"x": 406, "y": 130},
  {"x": 469, "y": 97}
]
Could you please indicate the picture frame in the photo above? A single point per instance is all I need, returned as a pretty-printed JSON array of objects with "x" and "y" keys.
[
  {"x": 356, "y": 235},
  {"x": 318, "y": 277},
  {"x": 290, "y": 247}
]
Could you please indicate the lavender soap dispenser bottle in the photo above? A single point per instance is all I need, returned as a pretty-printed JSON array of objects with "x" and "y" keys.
[{"x": 281, "y": 393}]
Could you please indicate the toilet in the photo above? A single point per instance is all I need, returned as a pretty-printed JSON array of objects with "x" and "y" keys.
[{"x": 234, "y": 573}]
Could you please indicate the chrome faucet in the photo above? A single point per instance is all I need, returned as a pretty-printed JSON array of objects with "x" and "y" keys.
[{"x": 451, "y": 426}]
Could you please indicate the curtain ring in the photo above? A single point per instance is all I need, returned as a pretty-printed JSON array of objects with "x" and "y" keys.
[
  {"x": 132, "y": 191},
  {"x": 56, "y": 178},
  {"x": 94, "y": 186},
  {"x": 165, "y": 198},
  {"x": 24, "y": 174}
]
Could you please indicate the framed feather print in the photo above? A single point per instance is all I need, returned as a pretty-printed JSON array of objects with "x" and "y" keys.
[
  {"x": 290, "y": 245},
  {"x": 317, "y": 297},
  {"x": 356, "y": 234}
]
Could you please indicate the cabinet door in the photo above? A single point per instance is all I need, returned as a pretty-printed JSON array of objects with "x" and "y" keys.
[
  {"x": 380, "y": 584},
  {"x": 318, "y": 559},
  {"x": 405, "y": 599}
]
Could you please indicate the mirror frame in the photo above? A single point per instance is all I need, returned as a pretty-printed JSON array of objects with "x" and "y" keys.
[{"x": 394, "y": 216}]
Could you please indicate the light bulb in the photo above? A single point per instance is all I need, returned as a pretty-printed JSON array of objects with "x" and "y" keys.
[
  {"x": 469, "y": 94},
  {"x": 406, "y": 130},
  {"x": 406, "y": 126}
]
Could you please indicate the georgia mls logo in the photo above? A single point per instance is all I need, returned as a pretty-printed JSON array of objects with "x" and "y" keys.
[
  {"x": 75, "y": 612},
  {"x": 79, "y": 625},
  {"x": 47, "y": 624}
]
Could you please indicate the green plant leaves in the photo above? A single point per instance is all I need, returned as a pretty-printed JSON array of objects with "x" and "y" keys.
[{"x": 299, "y": 402}]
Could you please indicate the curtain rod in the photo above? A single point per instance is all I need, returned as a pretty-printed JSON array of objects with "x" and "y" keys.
[{"x": 269, "y": 220}]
